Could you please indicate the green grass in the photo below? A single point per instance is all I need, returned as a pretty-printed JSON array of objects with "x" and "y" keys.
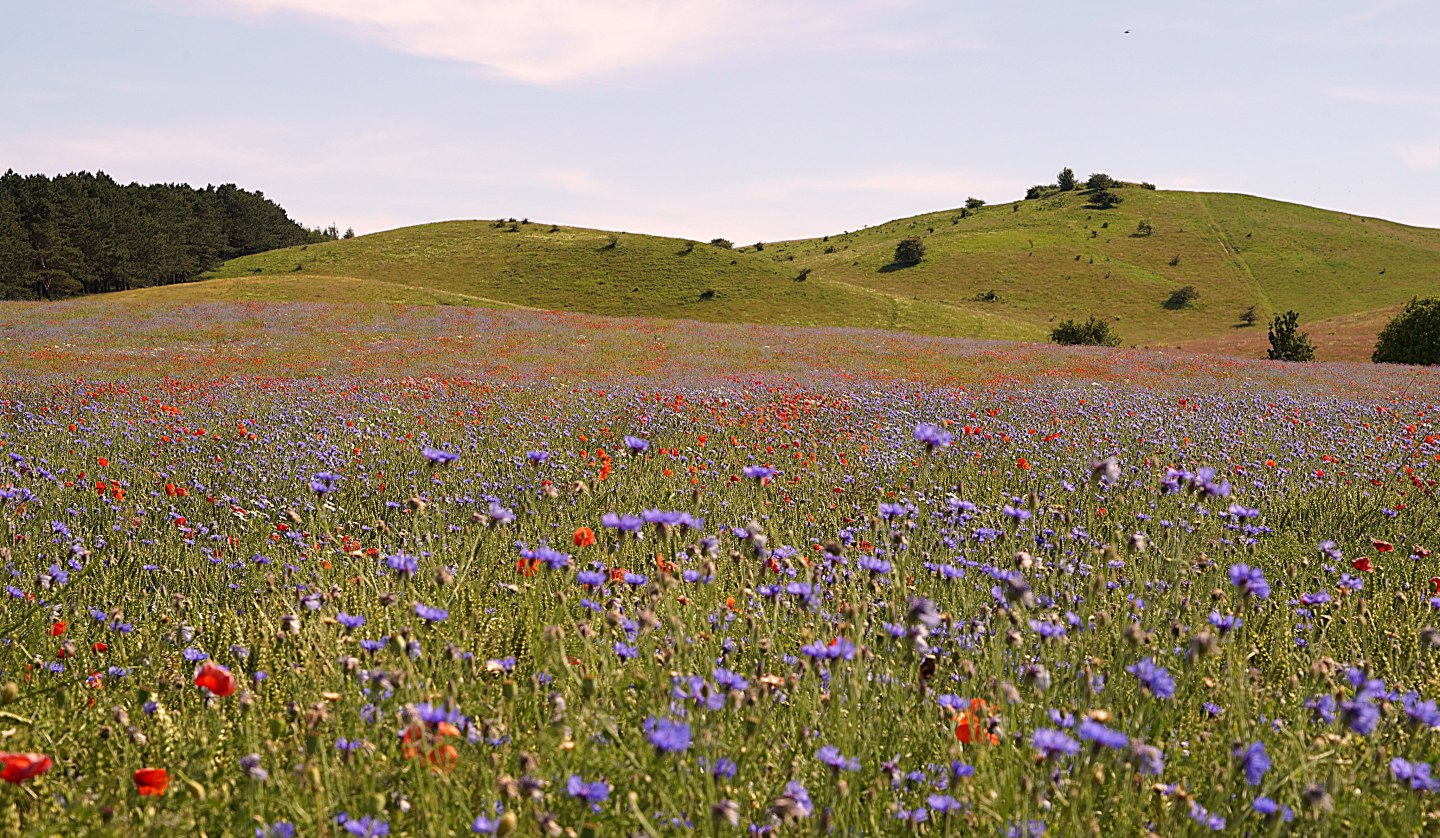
[{"x": 1044, "y": 260}]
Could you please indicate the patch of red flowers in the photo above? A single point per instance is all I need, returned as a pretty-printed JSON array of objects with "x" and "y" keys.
[
  {"x": 215, "y": 678},
  {"x": 151, "y": 782},
  {"x": 20, "y": 767}
]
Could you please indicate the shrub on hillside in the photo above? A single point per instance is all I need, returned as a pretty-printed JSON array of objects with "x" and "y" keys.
[
  {"x": 909, "y": 252},
  {"x": 1287, "y": 342},
  {"x": 1100, "y": 180},
  {"x": 974, "y": 203},
  {"x": 1182, "y": 297},
  {"x": 723, "y": 244},
  {"x": 1093, "y": 332},
  {"x": 1066, "y": 179},
  {"x": 1104, "y": 199},
  {"x": 1413, "y": 337}
]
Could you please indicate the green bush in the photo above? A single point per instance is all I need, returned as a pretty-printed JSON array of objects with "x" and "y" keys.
[
  {"x": 1287, "y": 342},
  {"x": 1413, "y": 337},
  {"x": 1066, "y": 179},
  {"x": 909, "y": 252},
  {"x": 1182, "y": 297},
  {"x": 1093, "y": 332}
]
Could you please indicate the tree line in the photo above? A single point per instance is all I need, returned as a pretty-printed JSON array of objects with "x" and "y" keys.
[{"x": 84, "y": 233}]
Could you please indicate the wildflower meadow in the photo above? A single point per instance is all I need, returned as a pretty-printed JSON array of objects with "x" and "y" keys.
[{"x": 315, "y": 570}]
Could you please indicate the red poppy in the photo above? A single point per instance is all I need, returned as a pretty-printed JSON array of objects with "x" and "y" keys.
[
  {"x": 151, "y": 782},
  {"x": 970, "y": 724},
  {"x": 104, "y": 463},
  {"x": 57, "y": 629},
  {"x": 215, "y": 678},
  {"x": 1363, "y": 564},
  {"x": 1420, "y": 551},
  {"x": 21, "y": 767},
  {"x": 1435, "y": 583},
  {"x": 1382, "y": 546},
  {"x": 584, "y": 537},
  {"x": 1023, "y": 463}
]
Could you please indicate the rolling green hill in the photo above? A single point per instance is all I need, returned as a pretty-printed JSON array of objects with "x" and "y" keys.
[{"x": 1003, "y": 271}]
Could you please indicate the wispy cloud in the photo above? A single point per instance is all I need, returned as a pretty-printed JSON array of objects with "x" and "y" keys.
[
  {"x": 1421, "y": 156},
  {"x": 553, "y": 41}
]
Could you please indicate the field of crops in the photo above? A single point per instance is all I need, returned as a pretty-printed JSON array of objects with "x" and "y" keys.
[{"x": 321, "y": 570}]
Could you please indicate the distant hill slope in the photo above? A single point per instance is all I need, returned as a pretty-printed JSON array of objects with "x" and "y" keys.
[{"x": 1003, "y": 271}]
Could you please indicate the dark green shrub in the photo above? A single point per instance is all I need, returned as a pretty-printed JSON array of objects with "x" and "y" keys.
[
  {"x": 1182, "y": 297},
  {"x": 1287, "y": 342},
  {"x": 909, "y": 252},
  {"x": 1413, "y": 337},
  {"x": 1093, "y": 332}
]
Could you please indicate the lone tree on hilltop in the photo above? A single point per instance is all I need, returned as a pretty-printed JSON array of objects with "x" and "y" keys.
[
  {"x": 1093, "y": 332},
  {"x": 1413, "y": 337},
  {"x": 974, "y": 203},
  {"x": 1287, "y": 342},
  {"x": 909, "y": 252},
  {"x": 1066, "y": 179},
  {"x": 1100, "y": 180}
]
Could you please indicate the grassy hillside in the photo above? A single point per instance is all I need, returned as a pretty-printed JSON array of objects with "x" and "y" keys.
[{"x": 1004, "y": 271}]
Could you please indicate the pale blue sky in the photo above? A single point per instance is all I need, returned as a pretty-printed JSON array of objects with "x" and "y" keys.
[{"x": 748, "y": 119}]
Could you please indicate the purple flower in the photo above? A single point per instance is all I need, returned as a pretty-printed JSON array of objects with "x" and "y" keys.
[
  {"x": 667, "y": 735},
  {"x": 349, "y": 621},
  {"x": 438, "y": 457},
  {"x": 636, "y": 444},
  {"x": 593, "y": 793},
  {"x": 1254, "y": 762},
  {"x": 1250, "y": 580},
  {"x": 1050, "y": 742},
  {"x": 403, "y": 562},
  {"x": 831, "y": 756},
  {"x": 364, "y": 827},
  {"x": 1269, "y": 808},
  {"x": 1154, "y": 678},
  {"x": 1205, "y": 818},
  {"x": 323, "y": 482},
  {"x": 430, "y": 613},
  {"x": 1093, "y": 731},
  {"x": 932, "y": 436},
  {"x": 759, "y": 473},
  {"x": 875, "y": 565},
  {"x": 944, "y": 804},
  {"x": 1417, "y": 774},
  {"x": 1225, "y": 622}
]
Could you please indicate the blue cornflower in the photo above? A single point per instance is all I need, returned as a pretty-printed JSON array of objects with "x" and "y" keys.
[
  {"x": 1050, "y": 743},
  {"x": 1254, "y": 762},
  {"x": 430, "y": 613},
  {"x": 1250, "y": 580},
  {"x": 364, "y": 827},
  {"x": 1225, "y": 622},
  {"x": 875, "y": 565},
  {"x": 591, "y": 578},
  {"x": 1156, "y": 679},
  {"x": 944, "y": 804},
  {"x": 324, "y": 482},
  {"x": 1205, "y": 818},
  {"x": 636, "y": 444},
  {"x": 1093, "y": 731},
  {"x": 593, "y": 793},
  {"x": 438, "y": 457},
  {"x": 194, "y": 655},
  {"x": 933, "y": 436},
  {"x": 350, "y": 621},
  {"x": 403, "y": 562},
  {"x": 1269, "y": 808},
  {"x": 760, "y": 473},
  {"x": 667, "y": 735},
  {"x": 279, "y": 829},
  {"x": 831, "y": 756},
  {"x": 1417, "y": 774}
]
